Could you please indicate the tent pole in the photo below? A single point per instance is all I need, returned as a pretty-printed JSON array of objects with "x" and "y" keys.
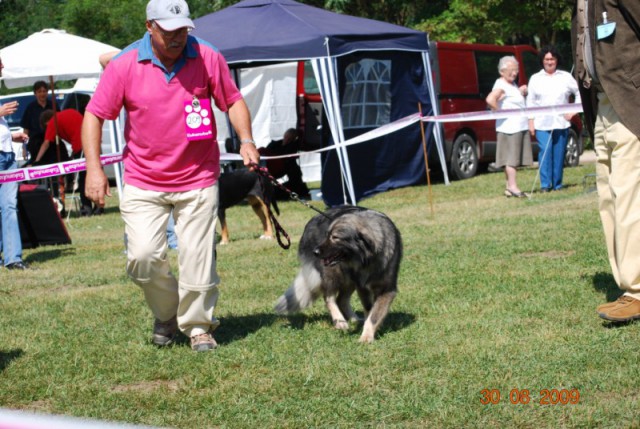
[
  {"x": 59, "y": 179},
  {"x": 426, "y": 157},
  {"x": 437, "y": 131}
]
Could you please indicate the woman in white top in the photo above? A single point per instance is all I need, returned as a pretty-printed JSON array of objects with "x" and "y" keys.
[
  {"x": 551, "y": 87},
  {"x": 513, "y": 142}
]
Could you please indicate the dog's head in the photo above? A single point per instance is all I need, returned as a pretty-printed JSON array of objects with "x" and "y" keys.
[{"x": 347, "y": 241}]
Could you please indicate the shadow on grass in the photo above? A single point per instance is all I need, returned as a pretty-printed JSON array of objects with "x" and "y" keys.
[
  {"x": 75, "y": 214},
  {"x": 299, "y": 320},
  {"x": 605, "y": 283},
  {"x": 393, "y": 322},
  {"x": 235, "y": 328},
  {"x": 49, "y": 254},
  {"x": 615, "y": 325},
  {"x": 108, "y": 210},
  {"x": 7, "y": 357}
]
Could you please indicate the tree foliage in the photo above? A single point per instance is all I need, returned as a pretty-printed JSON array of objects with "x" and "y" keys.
[
  {"x": 19, "y": 18},
  {"x": 400, "y": 12},
  {"x": 120, "y": 22},
  {"x": 501, "y": 21}
]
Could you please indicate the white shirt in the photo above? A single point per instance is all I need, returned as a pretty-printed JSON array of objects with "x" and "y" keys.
[
  {"x": 551, "y": 90},
  {"x": 512, "y": 99},
  {"x": 5, "y": 136}
]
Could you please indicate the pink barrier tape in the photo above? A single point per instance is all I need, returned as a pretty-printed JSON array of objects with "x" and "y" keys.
[
  {"x": 44, "y": 171},
  {"x": 50, "y": 170}
]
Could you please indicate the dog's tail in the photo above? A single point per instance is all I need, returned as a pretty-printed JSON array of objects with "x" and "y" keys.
[{"x": 304, "y": 290}]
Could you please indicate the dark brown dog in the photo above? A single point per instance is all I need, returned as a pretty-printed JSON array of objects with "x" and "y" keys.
[{"x": 242, "y": 184}]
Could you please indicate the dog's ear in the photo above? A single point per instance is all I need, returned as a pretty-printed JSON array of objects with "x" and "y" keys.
[{"x": 365, "y": 247}]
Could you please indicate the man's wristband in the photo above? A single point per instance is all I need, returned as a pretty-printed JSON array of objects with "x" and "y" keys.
[{"x": 243, "y": 141}]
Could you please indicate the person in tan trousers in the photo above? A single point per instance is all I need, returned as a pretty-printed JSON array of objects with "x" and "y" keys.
[{"x": 606, "y": 43}]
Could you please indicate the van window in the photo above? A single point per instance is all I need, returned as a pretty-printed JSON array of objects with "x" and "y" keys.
[
  {"x": 23, "y": 101},
  {"x": 77, "y": 101},
  {"x": 487, "y": 66},
  {"x": 310, "y": 83},
  {"x": 366, "y": 101},
  {"x": 531, "y": 63}
]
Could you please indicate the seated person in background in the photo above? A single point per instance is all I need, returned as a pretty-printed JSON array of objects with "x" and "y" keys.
[
  {"x": 70, "y": 130},
  {"x": 286, "y": 166}
]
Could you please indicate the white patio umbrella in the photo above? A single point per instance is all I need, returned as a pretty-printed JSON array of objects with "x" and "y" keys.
[{"x": 51, "y": 55}]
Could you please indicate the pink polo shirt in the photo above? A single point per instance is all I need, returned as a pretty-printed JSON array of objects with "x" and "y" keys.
[{"x": 158, "y": 155}]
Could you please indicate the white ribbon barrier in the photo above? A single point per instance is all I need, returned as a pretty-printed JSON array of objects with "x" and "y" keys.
[
  {"x": 44, "y": 171},
  {"x": 529, "y": 112}
]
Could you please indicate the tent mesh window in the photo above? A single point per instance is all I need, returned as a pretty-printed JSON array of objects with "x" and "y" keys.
[{"x": 366, "y": 102}]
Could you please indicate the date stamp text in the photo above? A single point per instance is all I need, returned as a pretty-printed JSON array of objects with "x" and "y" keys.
[{"x": 525, "y": 396}]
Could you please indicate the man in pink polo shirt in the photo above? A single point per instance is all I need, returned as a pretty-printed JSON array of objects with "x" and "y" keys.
[{"x": 166, "y": 81}]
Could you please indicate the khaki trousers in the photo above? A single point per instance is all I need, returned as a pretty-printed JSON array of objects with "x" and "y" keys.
[
  {"x": 618, "y": 182},
  {"x": 146, "y": 213}
]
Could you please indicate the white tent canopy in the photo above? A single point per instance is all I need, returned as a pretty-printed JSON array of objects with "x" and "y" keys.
[
  {"x": 50, "y": 54},
  {"x": 54, "y": 55}
]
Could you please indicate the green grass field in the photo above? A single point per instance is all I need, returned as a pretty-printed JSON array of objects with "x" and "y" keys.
[{"x": 497, "y": 296}]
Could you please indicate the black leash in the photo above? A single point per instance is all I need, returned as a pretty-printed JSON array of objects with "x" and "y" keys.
[{"x": 263, "y": 172}]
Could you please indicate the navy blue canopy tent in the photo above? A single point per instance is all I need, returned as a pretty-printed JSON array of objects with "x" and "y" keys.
[{"x": 346, "y": 52}]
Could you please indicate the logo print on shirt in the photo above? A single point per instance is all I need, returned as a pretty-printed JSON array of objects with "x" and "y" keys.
[{"x": 198, "y": 119}]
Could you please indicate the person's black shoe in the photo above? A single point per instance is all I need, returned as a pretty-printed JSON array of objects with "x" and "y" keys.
[
  {"x": 98, "y": 211},
  {"x": 17, "y": 266},
  {"x": 85, "y": 211}
]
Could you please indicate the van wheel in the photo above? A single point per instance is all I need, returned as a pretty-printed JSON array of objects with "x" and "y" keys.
[
  {"x": 572, "y": 156},
  {"x": 464, "y": 158}
]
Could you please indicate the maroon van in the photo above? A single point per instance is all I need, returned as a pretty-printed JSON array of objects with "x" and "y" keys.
[{"x": 464, "y": 75}]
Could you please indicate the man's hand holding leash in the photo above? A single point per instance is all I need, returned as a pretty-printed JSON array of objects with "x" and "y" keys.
[{"x": 249, "y": 153}]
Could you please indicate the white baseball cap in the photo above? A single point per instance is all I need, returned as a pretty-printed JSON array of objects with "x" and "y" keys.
[{"x": 169, "y": 14}]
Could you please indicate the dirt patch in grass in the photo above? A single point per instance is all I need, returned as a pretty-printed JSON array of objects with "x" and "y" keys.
[
  {"x": 551, "y": 254},
  {"x": 148, "y": 386},
  {"x": 41, "y": 406}
]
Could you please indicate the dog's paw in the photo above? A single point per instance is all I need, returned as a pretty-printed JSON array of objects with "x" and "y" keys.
[
  {"x": 366, "y": 339},
  {"x": 266, "y": 237},
  {"x": 341, "y": 324},
  {"x": 223, "y": 243}
]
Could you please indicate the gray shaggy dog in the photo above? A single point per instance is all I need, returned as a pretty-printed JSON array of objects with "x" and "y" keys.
[{"x": 347, "y": 249}]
